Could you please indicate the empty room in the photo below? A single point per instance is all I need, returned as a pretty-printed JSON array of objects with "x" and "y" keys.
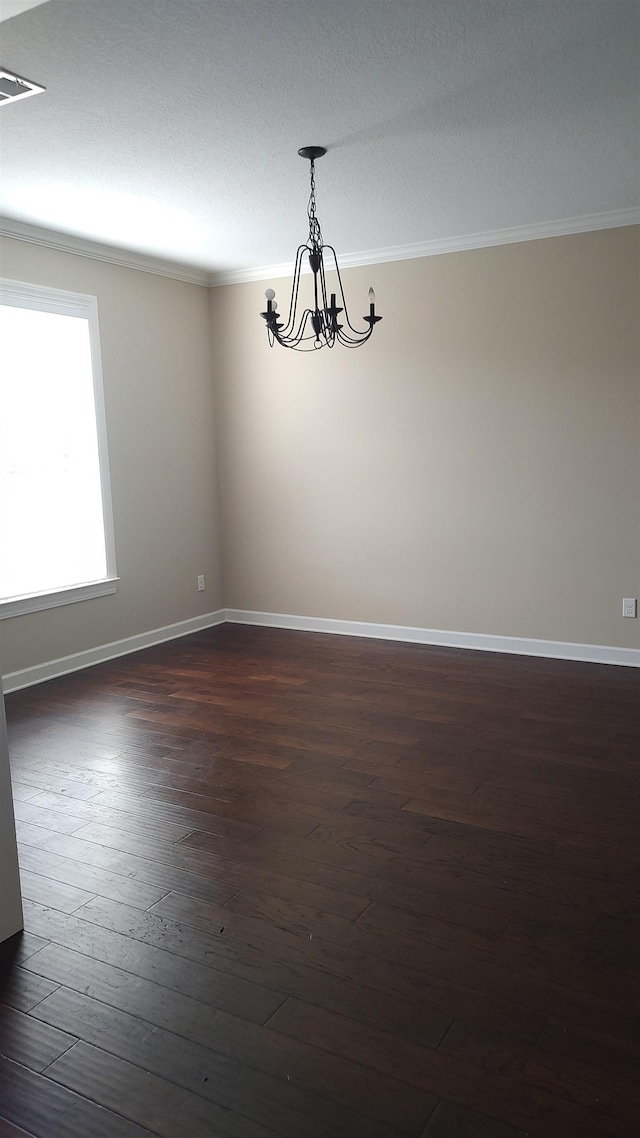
[{"x": 319, "y": 568}]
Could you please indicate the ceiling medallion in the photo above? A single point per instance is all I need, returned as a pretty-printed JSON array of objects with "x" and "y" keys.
[{"x": 316, "y": 327}]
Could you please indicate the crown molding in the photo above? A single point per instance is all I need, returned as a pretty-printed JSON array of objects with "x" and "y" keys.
[
  {"x": 130, "y": 259},
  {"x": 587, "y": 223},
  {"x": 127, "y": 258}
]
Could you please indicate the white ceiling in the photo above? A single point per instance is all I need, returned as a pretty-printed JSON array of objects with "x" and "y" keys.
[{"x": 171, "y": 127}]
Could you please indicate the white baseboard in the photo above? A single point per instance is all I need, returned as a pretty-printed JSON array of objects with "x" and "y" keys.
[
  {"x": 14, "y": 681},
  {"x": 554, "y": 649}
]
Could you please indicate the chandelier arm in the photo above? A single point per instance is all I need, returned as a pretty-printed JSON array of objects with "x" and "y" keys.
[
  {"x": 302, "y": 327},
  {"x": 302, "y": 343},
  {"x": 285, "y": 331},
  {"x": 293, "y": 339},
  {"x": 307, "y": 343},
  {"x": 361, "y": 335},
  {"x": 312, "y": 342},
  {"x": 350, "y": 342},
  {"x": 353, "y": 340}
]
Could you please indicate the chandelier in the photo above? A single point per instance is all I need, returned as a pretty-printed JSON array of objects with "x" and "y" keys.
[{"x": 327, "y": 323}]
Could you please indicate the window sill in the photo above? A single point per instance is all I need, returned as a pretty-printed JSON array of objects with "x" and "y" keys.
[{"x": 34, "y": 602}]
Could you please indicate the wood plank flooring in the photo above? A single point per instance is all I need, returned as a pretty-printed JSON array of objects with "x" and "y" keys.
[{"x": 286, "y": 884}]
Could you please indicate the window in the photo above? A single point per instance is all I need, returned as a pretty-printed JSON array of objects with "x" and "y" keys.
[{"x": 56, "y": 529}]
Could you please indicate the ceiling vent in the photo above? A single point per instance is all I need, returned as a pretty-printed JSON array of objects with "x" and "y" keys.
[{"x": 14, "y": 87}]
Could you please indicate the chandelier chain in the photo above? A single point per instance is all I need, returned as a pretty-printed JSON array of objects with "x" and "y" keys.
[{"x": 315, "y": 233}]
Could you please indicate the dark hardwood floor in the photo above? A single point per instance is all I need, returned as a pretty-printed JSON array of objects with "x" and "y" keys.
[{"x": 279, "y": 883}]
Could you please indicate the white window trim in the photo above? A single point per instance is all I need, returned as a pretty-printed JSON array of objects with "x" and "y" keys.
[{"x": 20, "y": 294}]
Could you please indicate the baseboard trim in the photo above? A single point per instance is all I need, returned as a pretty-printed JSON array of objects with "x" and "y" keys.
[
  {"x": 26, "y": 677},
  {"x": 519, "y": 646},
  {"x": 479, "y": 642}
]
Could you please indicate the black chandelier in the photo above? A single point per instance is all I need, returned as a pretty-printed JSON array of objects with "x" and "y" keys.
[{"x": 316, "y": 327}]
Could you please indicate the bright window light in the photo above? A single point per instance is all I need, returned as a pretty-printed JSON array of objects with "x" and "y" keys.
[{"x": 56, "y": 538}]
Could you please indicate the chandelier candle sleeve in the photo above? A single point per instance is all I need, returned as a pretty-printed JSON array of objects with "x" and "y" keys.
[{"x": 316, "y": 327}]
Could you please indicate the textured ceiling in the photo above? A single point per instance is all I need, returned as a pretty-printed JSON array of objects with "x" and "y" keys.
[{"x": 172, "y": 126}]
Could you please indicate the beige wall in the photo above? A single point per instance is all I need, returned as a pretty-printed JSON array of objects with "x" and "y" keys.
[
  {"x": 156, "y": 355},
  {"x": 474, "y": 468}
]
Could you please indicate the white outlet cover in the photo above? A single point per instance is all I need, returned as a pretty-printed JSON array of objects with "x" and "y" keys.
[{"x": 630, "y": 606}]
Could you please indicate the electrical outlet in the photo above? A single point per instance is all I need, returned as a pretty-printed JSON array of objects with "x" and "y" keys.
[
  {"x": 201, "y": 582},
  {"x": 630, "y": 606}
]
